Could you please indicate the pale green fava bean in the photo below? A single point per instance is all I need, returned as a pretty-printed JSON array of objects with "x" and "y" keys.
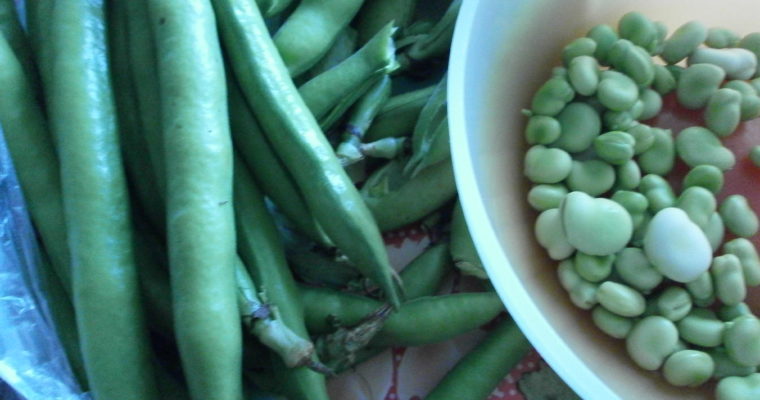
[
  {"x": 621, "y": 299},
  {"x": 552, "y": 97},
  {"x": 701, "y": 289},
  {"x": 697, "y": 84},
  {"x": 643, "y": 136},
  {"x": 676, "y": 71},
  {"x": 697, "y": 145},
  {"x": 688, "y": 368},
  {"x": 593, "y": 268},
  {"x": 580, "y": 124},
  {"x": 659, "y": 158},
  {"x": 728, "y": 276},
  {"x": 652, "y": 104},
  {"x": 698, "y": 203},
  {"x": 715, "y": 231},
  {"x": 657, "y": 191},
  {"x": 542, "y": 130},
  {"x": 619, "y": 120},
  {"x": 617, "y": 91},
  {"x": 742, "y": 341},
  {"x": 662, "y": 32},
  {"x": 683, "y": 41},
  {"x": 664, "y": 81},
  {"x": 615, "y": 147},
  {"x": 628, "y": 175},
  {"x": 725, "y": 366},
  {"x": 736, "y": 62},
  {"x": 637, "y": 28},
  {"x": 709, "y": 177},
  {"x": 582, "y": 292},
  {"x": 724, "y": 112},
  {"x": 738, "y": 388},
  {"x": 551, "y": 236},
  {"x": 637, "y": 109},
  {"x": 579, "y": 47},
  {"x": 604, "y": 36},
  {"x": 592, "y": 176},
  {"x": 738, "y": 216},
  {"x": 597, "y": 227},
  {"x": 751, "y": 42},
  {"x": 634, "y": 202},
  {"x": 610, "y": 323},
  {"x": 720, "y": 38},
  {"x": 640, "y": 231},
  {"x": 545, "y": 165},
  {"x": 583, "y": 73},
  {"x": 546, "y": 196},
  {"x": 674, "y": 303},
  {"x": 729, "y": 313},
  {"x": 634, "y": 268},
  {"x": 754, "y": 156},
  {"x": 747, "y": 254},
  {"x": 633, "y": 61},
  {"x": 750, "y": 103},
  {"x": 702, "y": 328},
  {"x": 651, "y": 341}
]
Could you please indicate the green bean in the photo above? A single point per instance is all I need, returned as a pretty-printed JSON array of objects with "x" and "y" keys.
[
  {"x": 745, "y": 250},
  {"x": 579, "y": 125},
  {"x": 270, "y": 173},
  {"x": 104, "y": 277},
  {"x": 688, "y": 368},
  {"x": 331, "y": 93},
  {"x": 310, "y": 30},
  {"x": 595, "y": 226},
  {"x": 697, "y": 145},
  {"x": 594, "y": 177},
  {"x": 544, "y": 197},
  {"x": 463, "y": 250},
  {"x": 723, "y": 112},
  {"x": 578, "y": 47},
  {"x": 697, "y": 84},
  {"x": 477, "y": 373},
  {"x": 604, "y": 36},
  {"x": 651, "y": 341},
  {"x": 702, "y": 328},
  {"x": 260, "y": 248},
  {"x": 31, "y": 147},
  {"x": 393, "y": 198},
  {"x": 683, "y": 41},
  {"x": 298, "y": 141},
  {"x": 364, "y": 111},
  {"x": 399, "y": 115},
  {"x": 660, "y": 157},
  {"x": 552, "y": 97},
  {"x": 430, "y": 139},
  {"x": 738, "y": 216},
  {"x": 738, "y": 388},
  {"x": 742, "y": 340},
  {"x": 721, "y": 38},
  {"x": 633, "y": 266}
]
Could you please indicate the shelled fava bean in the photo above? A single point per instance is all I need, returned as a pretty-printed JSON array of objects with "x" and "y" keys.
[{"x": 650, "y": 264}]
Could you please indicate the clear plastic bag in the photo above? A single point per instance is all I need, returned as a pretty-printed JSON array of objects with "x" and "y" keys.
[{"x": 32, "y": 361}]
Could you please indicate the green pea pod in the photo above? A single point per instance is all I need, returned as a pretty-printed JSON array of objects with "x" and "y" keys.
[
  {"x": 430, "y": 139},
  {"x": 34, "y": 156},
  {"x": 438, "y": 40},
  {"x": 345, "y": 45},
  {"x": 104, "y": 276},
  {"x": 396, "y": 200},
  {"x": 399, "y": 115},
  {"x": 463, "y": 250},
  {"x": 301, "y": 145},
  {"x": 375, "y": 14},
  {"x": 310, "y": 30},
  {"x": 477, "y": 373},
  {"x": 423, "y": 275},
  {"x": 331, "y": 93},
  {"x": 10, "y": 27},
  {"x": 268, "y": 170},
  {"x": 270, "y": 8},
  {"x": 319, "y": 269},
  {"x": 388, "y": 148},
  {"x": 262, "y": 252},
  {"x": 38, "y": 18},
  {"x": 365, "y": 110}
]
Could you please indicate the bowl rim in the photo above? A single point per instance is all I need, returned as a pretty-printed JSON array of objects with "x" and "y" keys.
[{"x": 542, "y": 335}]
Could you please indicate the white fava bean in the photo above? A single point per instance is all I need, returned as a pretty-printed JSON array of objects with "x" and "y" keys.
[
  {"x": 676, "y": 246},
  {"x": 551, "y": 236}
]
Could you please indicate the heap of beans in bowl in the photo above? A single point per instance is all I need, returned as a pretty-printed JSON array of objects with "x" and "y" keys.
[{"x": 645, "y": 162}]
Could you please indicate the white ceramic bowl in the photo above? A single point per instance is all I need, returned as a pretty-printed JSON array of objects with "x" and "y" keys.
[{"x": 503, "y": 50}]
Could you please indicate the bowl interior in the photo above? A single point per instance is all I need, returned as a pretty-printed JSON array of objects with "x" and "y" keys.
[{"x": 503, "y": 51}]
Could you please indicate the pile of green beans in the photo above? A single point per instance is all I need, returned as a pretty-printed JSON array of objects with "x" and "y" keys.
[
  {"x": 666, "y": 272},
  {"x": 210, "y": 181}
]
